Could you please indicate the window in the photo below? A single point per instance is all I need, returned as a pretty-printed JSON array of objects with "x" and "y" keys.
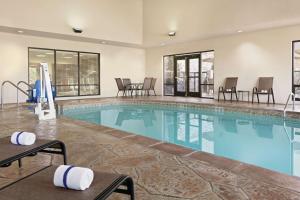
[
  {"x": 67, "y": 73},
  {"x": 37, "y": 56},
  {"x": 168, "y": 75},
  {"x": 189, "y": 74},
  {"x": 72, "y": 73},
  {"x": 89, "y": 73}
]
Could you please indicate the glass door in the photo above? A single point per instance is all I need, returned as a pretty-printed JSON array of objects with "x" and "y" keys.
[
  {"x": 193, "y": 75},
  {"x": 187, "y": 77},
  {"x": 189, "y": 74},
  {"x": 180, "y": 76}
]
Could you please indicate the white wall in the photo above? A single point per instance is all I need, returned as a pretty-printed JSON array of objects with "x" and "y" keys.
[
  {"x": 115, "y": 61},
  {"x": 246, "y": 55}
]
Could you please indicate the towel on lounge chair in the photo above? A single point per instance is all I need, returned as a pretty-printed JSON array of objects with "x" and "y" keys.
[
  {"x": 23, "y": 138},
  {"x": 70, "y": 177}
]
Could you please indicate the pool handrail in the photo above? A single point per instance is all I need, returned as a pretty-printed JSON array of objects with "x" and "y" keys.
[
  {"x": 11, "y": 83},
  {"x": 286, "y": 104}
]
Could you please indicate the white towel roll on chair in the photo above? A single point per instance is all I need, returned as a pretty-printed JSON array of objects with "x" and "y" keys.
[
  {"x": 23, "y": 138},
  {"x": 70, "y": 177}
]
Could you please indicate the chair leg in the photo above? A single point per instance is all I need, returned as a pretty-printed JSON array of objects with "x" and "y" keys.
[
  {"x": 257, "y": 97},
  {"x": 268, "y": 97},
  {"x": 231, "y": 96},
  {"x": 218, "y": 95},
  {"x": 273, "y": 96},
  {"x": 224, "y": 96},
  {"x": 236, "y": 96},
  {"x": 20, "y": 163}
]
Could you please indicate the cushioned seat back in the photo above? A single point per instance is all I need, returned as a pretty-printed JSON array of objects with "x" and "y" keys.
[
  {"x": 265, "y": 83},
  {"x": 230, "y": 82},
  {"x": 119, "y": 84}
]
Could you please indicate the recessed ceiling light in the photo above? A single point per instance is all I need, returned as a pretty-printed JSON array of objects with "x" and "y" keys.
[
  {"x": 20, "y": 31},
  {"x": 240, "y": 31},
  {"x": 103, "y": 42},
  {"x": 77, "y": 30},
  {"x": 172, "y": 33},
  {"x": 41, "y": 55}
]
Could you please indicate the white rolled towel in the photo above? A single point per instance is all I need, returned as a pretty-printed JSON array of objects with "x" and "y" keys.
[
  {"x": 70, "y": 177},
  {"x": 23, "y": 138}
]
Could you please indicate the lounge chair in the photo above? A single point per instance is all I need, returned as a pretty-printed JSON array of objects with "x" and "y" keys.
[
  {"x": 40, "y": 186},
  {"x": 10, "y": 152},
  {"x": 230, "y": 87},
  {"x": 265, "y": 87},
  {"x": 121, "y": 87},
  {"x": 152, "y": 87}
]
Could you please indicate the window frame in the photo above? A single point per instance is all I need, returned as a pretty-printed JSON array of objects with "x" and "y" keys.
[
  {"x": 55, "y": 67},
  {"x": 294, "y": 86}
]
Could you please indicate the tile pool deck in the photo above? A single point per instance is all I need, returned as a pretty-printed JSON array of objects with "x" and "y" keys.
[{"x": 160, "y": 170}]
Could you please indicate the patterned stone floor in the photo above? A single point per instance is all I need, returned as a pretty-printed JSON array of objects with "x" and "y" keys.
[{"x": 160, "y": 171}]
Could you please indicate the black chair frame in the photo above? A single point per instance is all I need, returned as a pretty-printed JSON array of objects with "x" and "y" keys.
[
  {"x": 257, "y": 93},
  {"x": 231, "y": 92}
]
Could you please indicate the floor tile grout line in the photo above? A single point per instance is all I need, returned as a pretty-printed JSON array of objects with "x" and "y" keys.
[
  {"x": 188, "y": 154},
  {"x": 158, "y": 143},
  {"x": 127, "y": 136}
]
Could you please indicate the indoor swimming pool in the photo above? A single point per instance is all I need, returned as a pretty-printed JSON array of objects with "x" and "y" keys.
[{"x": 265, "y": 141}]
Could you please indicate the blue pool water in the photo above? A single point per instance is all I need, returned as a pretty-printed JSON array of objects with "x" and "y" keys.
[{"x": 265, "y": 141}]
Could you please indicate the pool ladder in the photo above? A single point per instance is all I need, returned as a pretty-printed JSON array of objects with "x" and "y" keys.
[
  {"x": 287, "y": 102},
  {"x": 17, "y": 87}
]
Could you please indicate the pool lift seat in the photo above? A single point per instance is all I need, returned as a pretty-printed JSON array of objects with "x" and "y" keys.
[{"x": 45, "y": 108}]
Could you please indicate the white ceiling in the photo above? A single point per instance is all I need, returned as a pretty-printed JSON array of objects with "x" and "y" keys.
[
  {"x": 144, "y": 23},
  {"x": 199, "y": 19}
]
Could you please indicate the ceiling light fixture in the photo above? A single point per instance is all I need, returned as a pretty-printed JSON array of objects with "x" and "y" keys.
[
  {"x": 77, "y": 30},
  {"x": 172, "y": 33},
  {"x": 20, "y": 31},
  {"x": 240, "y": 31}
]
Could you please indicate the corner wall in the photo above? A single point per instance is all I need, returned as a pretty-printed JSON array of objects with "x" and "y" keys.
[
  {"x": 245, "y": 55},
  {"x": 115, "y": 61}
]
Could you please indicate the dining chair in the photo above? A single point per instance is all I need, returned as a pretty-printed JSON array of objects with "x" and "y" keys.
[
  {"x": 127, "y": 84},
  {"x": 145, "y": 87},
  {"x": 120, "y": 86}
]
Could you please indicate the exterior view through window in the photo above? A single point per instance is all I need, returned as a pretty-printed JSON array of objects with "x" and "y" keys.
[{"x": 72, "y": 73}]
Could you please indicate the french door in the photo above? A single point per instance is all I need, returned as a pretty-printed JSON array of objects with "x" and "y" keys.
[{"x": 187, "y": 75}]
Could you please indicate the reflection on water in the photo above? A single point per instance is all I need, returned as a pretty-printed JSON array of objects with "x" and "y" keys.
[
  {"x": 264, "y": 141},
  {"x": 147, "y": 116}
]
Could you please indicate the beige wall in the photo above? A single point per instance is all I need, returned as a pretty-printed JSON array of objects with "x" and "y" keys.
[
  {"x": 100, "y": 19},
  {"x": 115, "y": 61},
  {"x": 246, "y": 55}
]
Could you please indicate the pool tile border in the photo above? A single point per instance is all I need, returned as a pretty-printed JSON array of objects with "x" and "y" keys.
[{"x": 185, "y": 105}]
